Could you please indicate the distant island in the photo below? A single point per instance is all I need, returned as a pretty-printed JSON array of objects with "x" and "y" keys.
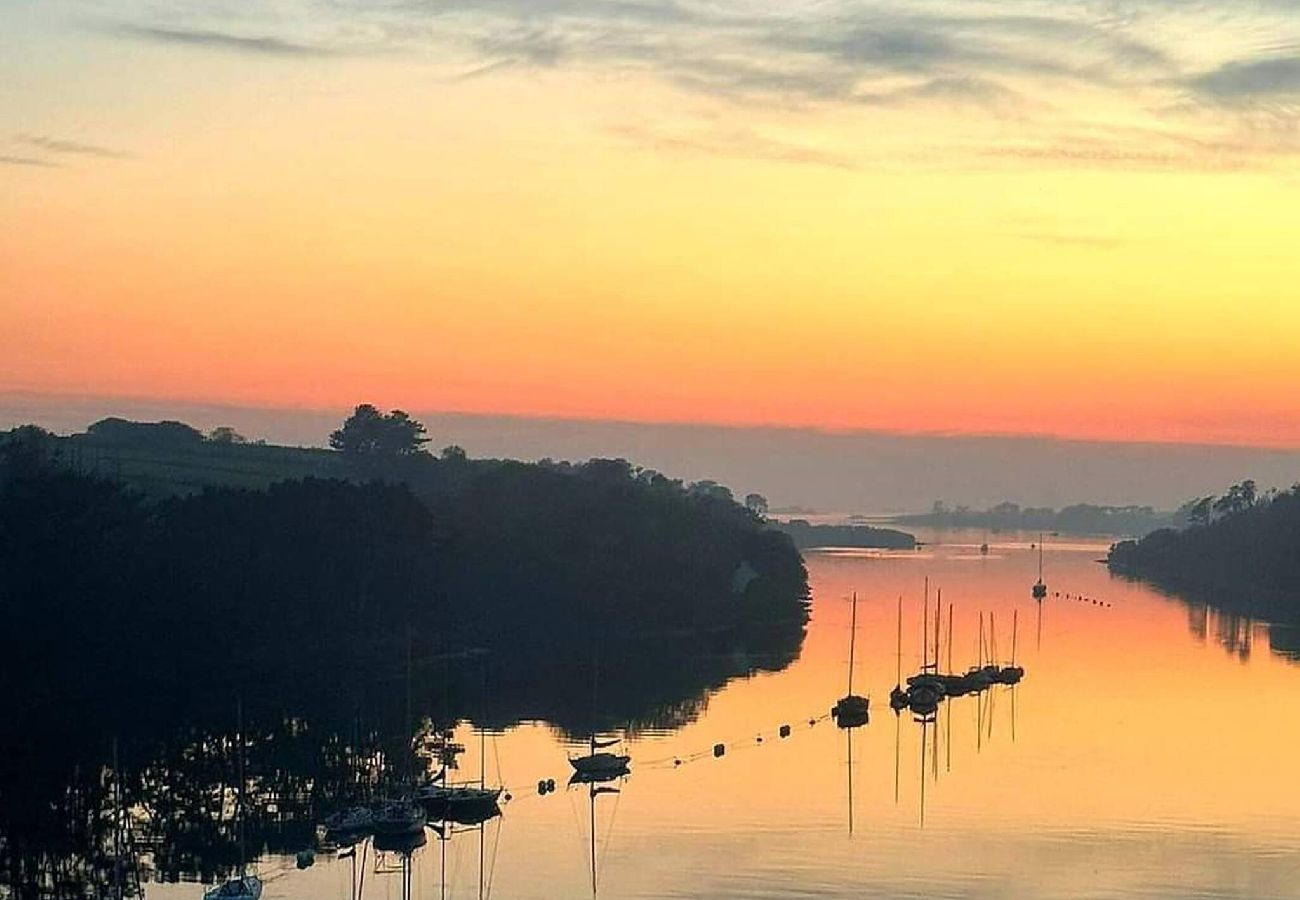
[
  {"x": 1240, "y": 550},
  {"x": 1080, "y": 518},
  {"x": 807, "y": 536}
]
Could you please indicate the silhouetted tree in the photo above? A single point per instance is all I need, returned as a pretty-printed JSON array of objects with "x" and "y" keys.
[
  {"x": 757, "y": 504},
  {"x": 166, "y": 434},
  {"x": 224, "y": 434},
  {"x": 370, "y": 433}
]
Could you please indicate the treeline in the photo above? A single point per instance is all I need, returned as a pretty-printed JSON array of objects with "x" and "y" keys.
[
  {"x": 1242, "y": 550},
  {"x": 320, "y": 581},
  {"x": 1081, "y": 518}
]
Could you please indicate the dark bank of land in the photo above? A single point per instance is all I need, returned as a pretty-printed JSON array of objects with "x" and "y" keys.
[
  {"x": 1239, "y": 551},
  {"x": 140, "y": 548},
  {"x": 807, "y": 536}
]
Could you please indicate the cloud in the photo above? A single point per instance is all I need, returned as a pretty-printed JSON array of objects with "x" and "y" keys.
[
  {"x": 56, "y": 145},
  {"x": 734, "y": 143},
  {"x": 31, "y": 161},
  {"x": 1249, "y": 79},
  {"x": 1055, "y": 67},
  {"x": 220, "y": 40}
]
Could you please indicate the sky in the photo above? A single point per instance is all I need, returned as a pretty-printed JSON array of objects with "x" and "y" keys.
[{"x": 938, "y": 216}]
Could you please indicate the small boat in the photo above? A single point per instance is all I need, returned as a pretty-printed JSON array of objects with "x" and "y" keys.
[
  {"x": 397, "y": 818},
  {"x": 978, "y": 678},
  {"x": 898, "y": 696},
  {"x": 459, "y": 801},
  {"x": 599, "y": 762},
  {"x": 1040, "y": 587},
  {"x": 353, "y": 821},
  {"x": 247, "y": 887},
  {"x": 1010, "y": 674},
  {"x": 923, "y": 698},
  {"x": 852, "y": 710}
]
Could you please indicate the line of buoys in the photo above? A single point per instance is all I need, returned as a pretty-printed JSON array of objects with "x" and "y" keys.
[
  {"x": 1080, "y": 598},
  {"x": 547, "y": 786}
]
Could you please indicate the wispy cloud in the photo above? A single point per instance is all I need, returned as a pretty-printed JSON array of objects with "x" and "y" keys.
[
  {"x": 266, "y": 45},
  {"x": 76, "y": 148},
  {"x": 1250, "y": 79},
  {"x": 734, "y": 143},
  {"x": 997, "y": 59},
  {"x": 31, "y": 161}
]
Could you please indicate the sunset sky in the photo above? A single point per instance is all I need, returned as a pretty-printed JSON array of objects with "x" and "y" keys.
[{"x": 1008, "y": 216}]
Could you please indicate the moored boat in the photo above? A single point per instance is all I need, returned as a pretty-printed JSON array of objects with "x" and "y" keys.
[
  {"x": 396, "y": 818},
  {"x": 247, "y": 887}
]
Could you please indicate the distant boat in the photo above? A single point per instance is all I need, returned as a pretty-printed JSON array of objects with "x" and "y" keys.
[
  {"x": 1040, "y": 588},
  {"x": 852, "y": 710}
]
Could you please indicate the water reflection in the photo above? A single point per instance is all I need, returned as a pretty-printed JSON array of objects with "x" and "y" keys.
[{"x": 1017, "y": 790}]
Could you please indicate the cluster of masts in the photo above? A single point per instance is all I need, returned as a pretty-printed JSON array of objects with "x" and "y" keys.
[{"x": 924, "y": 691}]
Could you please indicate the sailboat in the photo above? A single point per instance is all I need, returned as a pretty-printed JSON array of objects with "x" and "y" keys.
[
  {"x": 851, "y": 710},
  {"x": 467, "y": 803},
  {"x": 1013, "y": 673},
  {"x": 399, "y": 821},
  {"x": 1040, "y": 588},
  {"x": 597, "y": 763},
  {"x": 247, "y": 886},
  {"x": 898, "y": 698}
]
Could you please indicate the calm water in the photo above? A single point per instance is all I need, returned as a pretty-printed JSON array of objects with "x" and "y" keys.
[{"x": 1148, "y": 752}]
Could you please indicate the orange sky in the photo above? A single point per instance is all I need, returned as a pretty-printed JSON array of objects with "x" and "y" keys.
[{"x": 316, "y": 207}]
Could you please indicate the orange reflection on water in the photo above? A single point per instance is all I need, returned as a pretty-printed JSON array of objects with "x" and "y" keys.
[{"x": 1146, "y": 751}]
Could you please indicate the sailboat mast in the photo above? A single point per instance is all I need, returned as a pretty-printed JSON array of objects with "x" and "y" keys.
[
  {"x": 898, "y": 654},
  {"x": 592, "y": 793},
  {"x": 925, "y": 626},
  {"x": 938, "y": 610},
  {"x": 853, "y": 638},
  {"x": 950, "y": 638},
  {"x": 595, "y": 679},
  {"x": 1015, "y": 624},
  {"x": 482, "y": 741}
]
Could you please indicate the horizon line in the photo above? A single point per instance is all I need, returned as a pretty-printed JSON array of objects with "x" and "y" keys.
[{"x": 542, "y": 417}]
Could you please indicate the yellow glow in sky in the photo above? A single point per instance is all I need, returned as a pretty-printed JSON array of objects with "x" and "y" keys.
[{"x": 973, "y": 218}]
